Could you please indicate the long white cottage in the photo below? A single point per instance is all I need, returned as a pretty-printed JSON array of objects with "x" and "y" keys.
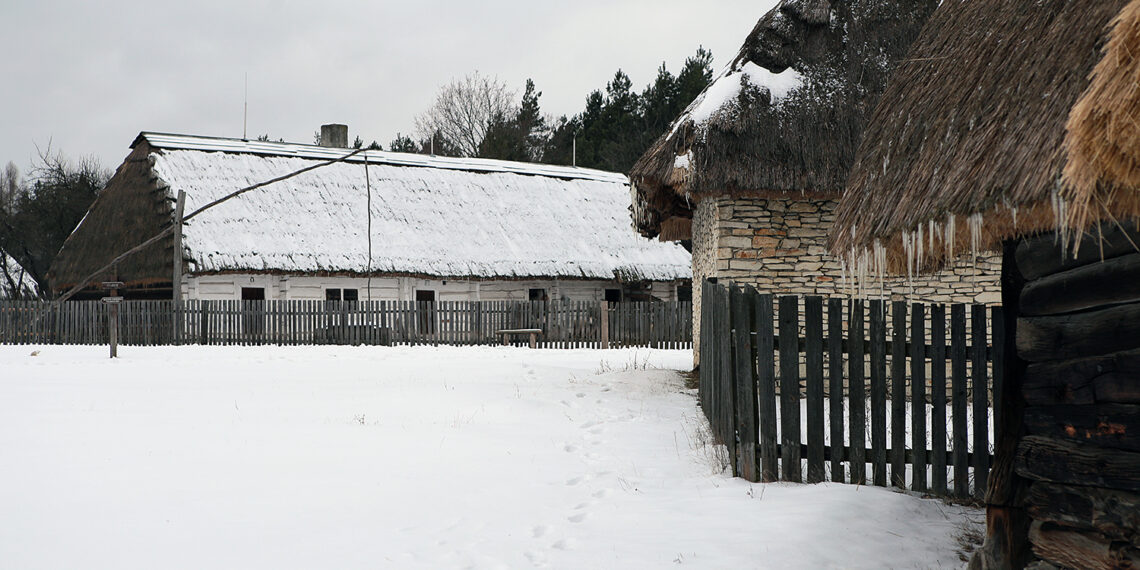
[{"x": 378, "y": 225}]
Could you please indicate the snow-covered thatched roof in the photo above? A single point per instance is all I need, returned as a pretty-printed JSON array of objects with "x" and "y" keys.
[
  {"x": 15, "y": 282},
  {"x": 785, "y": 116},
  {"x": 430, "y": 216}
]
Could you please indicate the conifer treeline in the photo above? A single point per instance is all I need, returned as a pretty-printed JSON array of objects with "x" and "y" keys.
[{"x": 617, "y": 125}]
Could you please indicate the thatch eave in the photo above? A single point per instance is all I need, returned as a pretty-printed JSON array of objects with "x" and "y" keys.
[{"x": 965, "y": 147}]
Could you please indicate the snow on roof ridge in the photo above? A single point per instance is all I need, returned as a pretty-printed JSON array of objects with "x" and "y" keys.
[{"x": 298, "y": 150}]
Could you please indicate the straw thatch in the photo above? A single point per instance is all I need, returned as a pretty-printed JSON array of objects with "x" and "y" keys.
[
  {"x": 130, "y": 209},
  {"x": 786, "y": 115},
  {"x": 965, "y": 148},
  {"x": 1102, "y": 175}
]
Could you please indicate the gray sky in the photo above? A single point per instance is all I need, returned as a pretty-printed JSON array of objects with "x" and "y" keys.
[{"x": 88, "y": 76}]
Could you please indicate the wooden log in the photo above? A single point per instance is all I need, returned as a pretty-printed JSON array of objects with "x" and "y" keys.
[
  {"x": 835, "y": 383},
  {"x": 790, "y": 388},
  {"x": 813, "y": 330},
  {"x": 1047, "y": 459},
  {"x": 1111, "y": 378},
  {"x": 1116, "y": 514},
  {"x": 746, "y": 464},
  {"x": 1101, "y": 331},
  {"x": 1043, "y": 255},
  {"x": 898, "y": 394},
  {"x": 1115, "y": 426},
  {"x": 878, "y": 333},
  {"x": 1114, "y": 281},
  {"x": 1071, "y": 548},
  {"x": 766, "y": 387}
]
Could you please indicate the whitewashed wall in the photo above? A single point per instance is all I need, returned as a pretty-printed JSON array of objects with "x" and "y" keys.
[{"x": 279, "y": 287}]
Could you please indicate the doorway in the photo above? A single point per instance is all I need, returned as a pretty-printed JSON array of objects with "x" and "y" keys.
[
  {"x": 253, "y": 310},
  {"x": 425, "y": 311}
]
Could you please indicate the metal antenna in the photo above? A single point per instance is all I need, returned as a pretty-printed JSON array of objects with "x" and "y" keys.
[
  {"x": 245, "y": 110},
  {"x": 574, "y": 151}
]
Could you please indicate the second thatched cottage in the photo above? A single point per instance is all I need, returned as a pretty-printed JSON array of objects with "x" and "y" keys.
[
  {"x": 375, "y": 226},
  {"x": 751, "y": 172}
]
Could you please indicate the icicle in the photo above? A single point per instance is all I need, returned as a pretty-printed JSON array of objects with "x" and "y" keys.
[
  {"x": 951, "y": 235},
  {"x": 920, "y": 255}
]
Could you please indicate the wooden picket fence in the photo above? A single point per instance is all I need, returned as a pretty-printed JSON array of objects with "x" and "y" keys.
[
  {"x": 564, "y": 324},
  {"x": 878, "y": 370}
]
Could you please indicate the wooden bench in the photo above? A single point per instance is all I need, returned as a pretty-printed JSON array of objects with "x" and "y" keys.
[{"x": 532, "y": 332}]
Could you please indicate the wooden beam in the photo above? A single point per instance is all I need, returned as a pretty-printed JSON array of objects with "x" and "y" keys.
[
  {"x": 1112, "y": 378},
  {"x": 1115, "y": 426},
  {"x": 1111, "y": 282},
  {"x": 1047, "y": 459},
  {"x": 1116, "y": 514},
  {"x": 1103, "y": 331},
  {"x": 1074, "y": 549}
]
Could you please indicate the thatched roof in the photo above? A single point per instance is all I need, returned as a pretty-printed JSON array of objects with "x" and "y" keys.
[
  {"x": 965, "y": 148},
  {"x": 786, "y": 115},
  {"x": 430, "y": 216},
  {"x": 1102, "y": 175}
]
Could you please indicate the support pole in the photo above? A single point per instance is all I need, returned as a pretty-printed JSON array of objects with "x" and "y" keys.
[{"x": 176, "y": 278}]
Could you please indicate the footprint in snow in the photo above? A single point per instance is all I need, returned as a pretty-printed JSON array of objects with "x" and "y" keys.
[
  {"x": 539, "y": 531},
  {"x": 565, "y": 544}
]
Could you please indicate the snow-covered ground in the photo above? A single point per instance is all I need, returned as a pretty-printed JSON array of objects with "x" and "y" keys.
[{"x": 448, "y": 457}]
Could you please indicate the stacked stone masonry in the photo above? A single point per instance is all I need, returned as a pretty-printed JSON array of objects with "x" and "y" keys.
[{"x": 779, "y": 246}]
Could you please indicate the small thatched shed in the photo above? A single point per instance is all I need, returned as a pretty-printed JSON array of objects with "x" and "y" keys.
[
  {"x": 751, "y": 172},
  {"x": 997, "y": 132},
  {"x": 378, "y": 225}
]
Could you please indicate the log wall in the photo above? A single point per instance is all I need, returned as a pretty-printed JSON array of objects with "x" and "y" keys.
[{"x": 1077, "y": 455}]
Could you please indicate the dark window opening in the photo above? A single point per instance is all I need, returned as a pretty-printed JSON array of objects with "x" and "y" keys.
[
  {"x": 253, "y": 293},
  {"x": 332, "y": 294},
  {"x": 351, "y": 295},
  {"x": 538, "y": 295},
  {"x": 342, "y": 294},
  {"x": 684, "y": 293},
  {"x": 613, "y": 295}
]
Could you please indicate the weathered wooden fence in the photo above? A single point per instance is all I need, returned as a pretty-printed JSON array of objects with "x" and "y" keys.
[
  {"x": 565, "y": 324},
  {"x": 787, "y": 390}
]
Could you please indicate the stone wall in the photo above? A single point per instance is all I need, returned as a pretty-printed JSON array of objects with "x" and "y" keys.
[{"x": 779, "y": 247}]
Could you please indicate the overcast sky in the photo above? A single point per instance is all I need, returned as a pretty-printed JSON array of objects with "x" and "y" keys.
[{"x": 88, "y": 76}]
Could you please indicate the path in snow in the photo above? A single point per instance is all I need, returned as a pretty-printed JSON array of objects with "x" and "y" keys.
[{"x": 448, "y": 457}]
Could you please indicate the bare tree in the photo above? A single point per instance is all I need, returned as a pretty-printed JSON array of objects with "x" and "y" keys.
[{"x": 464, "y": 111}]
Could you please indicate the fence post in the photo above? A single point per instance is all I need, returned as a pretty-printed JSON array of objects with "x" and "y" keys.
[
  {"x": 605, "y": 325},
  {"x": 790, "y": 388}
]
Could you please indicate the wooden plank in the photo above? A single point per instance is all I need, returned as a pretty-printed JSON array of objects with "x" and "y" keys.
[
  {"x": 813, "y": 331},
  {"x": 790, "y": 389},
  {"x": 857, "y": 406},
  {"x": 1046, "y": 459},
  {"x": 997, "y": 360},
  {"x": 898, "y": 394},
  {"x": 938, "y": 399},
  {"x": 918, "y": 396},
  {"x": 835, "y": 383},
  {"x": 1102, "y": 331},
  {"x": 980, "y": 384},
  {"x": 878, "y": 334},
  {"x": 958, "y": 401},
  {"x": 765, "y": 386},
  {"x": 744, "y": 373}
]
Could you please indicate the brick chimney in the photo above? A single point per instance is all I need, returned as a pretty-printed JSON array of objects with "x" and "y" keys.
[{"x": 334, "y": 135}]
